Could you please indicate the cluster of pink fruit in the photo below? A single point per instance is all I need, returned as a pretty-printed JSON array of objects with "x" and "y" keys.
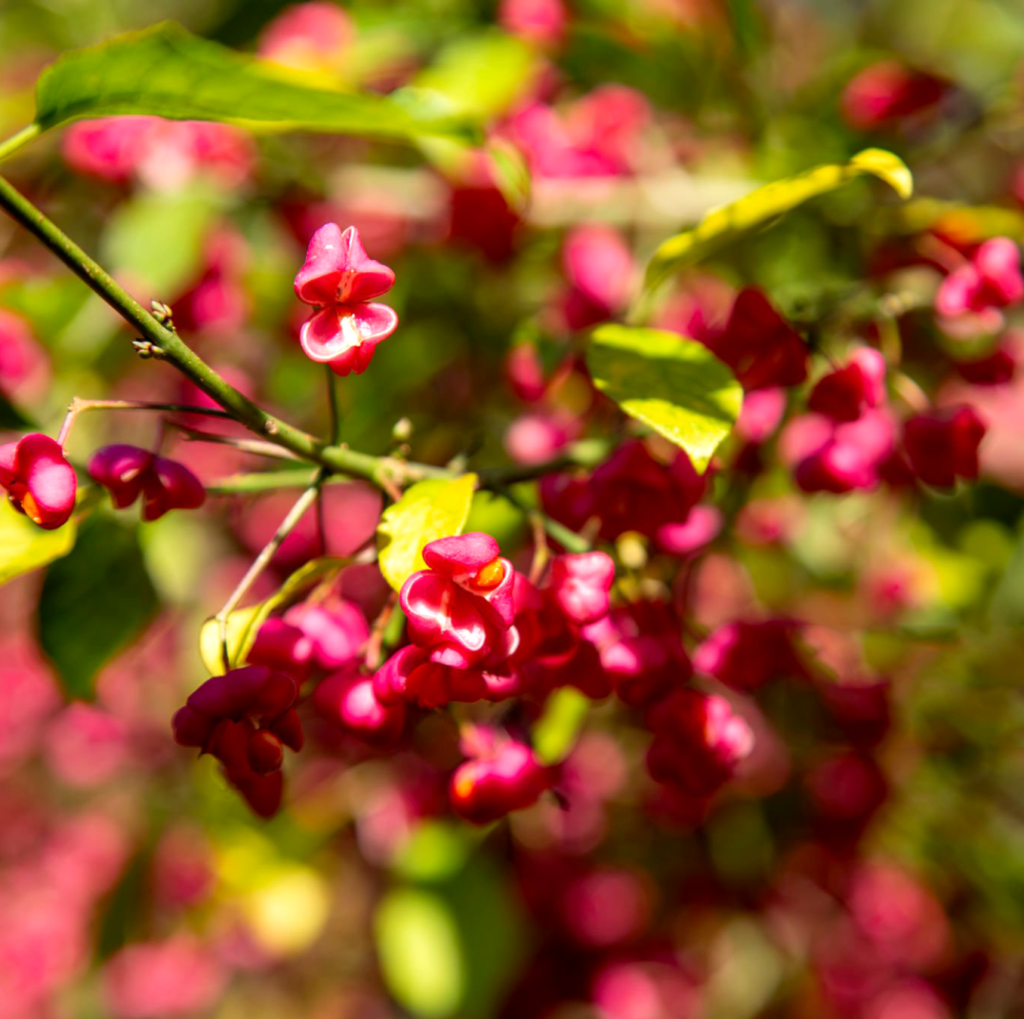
[{"x": 479, "y": 629}]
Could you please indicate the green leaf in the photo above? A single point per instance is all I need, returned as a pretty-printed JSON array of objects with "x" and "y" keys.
[
  {"x": 167, "y": 72},
  {"x": 420, "y": 955},
  {"x": 94, "y": 602},
  {"x": 556, "y": 730},
  {"x": 428, "y": 510},
  {"x": 674, "y": 385},
  {"x": 244, "y": 624},
  {"x": 511, "y": 174},
  {"x": 25, "y": 547},
  {"x": 482, "y": 75},
  {"x": 452, "y": 945},
  {"x": 724, "y": 225}
]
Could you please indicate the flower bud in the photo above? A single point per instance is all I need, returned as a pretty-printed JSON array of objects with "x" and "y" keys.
[
  {"x": 504, "y": 777},
  {"x": 942, "y": 445},
  {"x": 39, "y": 480},
  {"x": 581, "y": 585},
  {"x": 128, "y": 472}
]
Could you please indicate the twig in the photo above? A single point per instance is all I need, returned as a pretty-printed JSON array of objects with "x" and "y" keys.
[
  {"x": 260, "y": 563},
  {"x": 79, "y": 406}
]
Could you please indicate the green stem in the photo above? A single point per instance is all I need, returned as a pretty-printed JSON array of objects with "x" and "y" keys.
[
  {"x": 334, "y": 405},
  {"x": 15, "y": 142},
  {"x": 260, "y": 563},
  {"x": 568, "y": 539},
  {"x": 263, "y": 481},
  {"x": 79, "y": 405}
]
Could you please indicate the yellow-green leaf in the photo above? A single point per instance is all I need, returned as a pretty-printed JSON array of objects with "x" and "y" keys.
[
  {"x": 430, "y": 509},
  {"x": 724, "y": 225},
  {"x": 557, "y": 729},
  {"x": 167, "y": 72},
  {"x": 25, "y": 547},
  {"x": 244, "y": 624},
  {"x": 674, "y": 385},
  {"x": 420, "y": 952}
]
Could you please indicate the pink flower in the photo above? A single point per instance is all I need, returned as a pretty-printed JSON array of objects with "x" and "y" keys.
[
  {"x": 758, "y": 344},
  {"x": 698, "y": 741},
  {"x": 761, "y": 414},
  {"x": 128, "y": 472},
  {"x": 349, "y": 700},
  {"x": 164, "y": 153},
  {"x": 39, "y": 480},
  {"x": 838, "y": 457},
  {"x": 641, "y": 652},
  {"x": 338, "y": 279},
  {"x": 977, "y": 289},
  {"x": 502, "y": 776},
  {"x": 581, "y": 584},
  {"x": 887, "y": 92},
  {"x": 745, "y": 655},
  {"x": 336, "y": 629},
  {"x": 942, "y": 445},
  {"x": 151, "y": 980},
  {"x": 845, "y": 392},
  {"x": 308, "y": 37},
  {"x": 23, "y": 364},
  {"x": 605, "y": 906},
  {"x": 244, "y": 719},
  {"x": 630, "y": 491},
  {"x": 282, "y": 647},
  {"x": 601, "y": 272},
  {"x": 536, "y": 438},
  {"x": 552, "y": 651},
  {"x": 539, "y": 21},
  {"x": 461, "y": 607},
  {"x": 411, "y": 675}
]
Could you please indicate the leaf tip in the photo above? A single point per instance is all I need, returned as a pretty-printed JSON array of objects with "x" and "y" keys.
[{"x": 888, "y": 167}]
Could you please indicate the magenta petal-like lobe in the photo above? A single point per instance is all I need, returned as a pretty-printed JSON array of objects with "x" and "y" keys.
[
  {"x": 337, "y": 269},
  {"x": 317, "y": 280},
  {"x": 442, "y": 616},
  {"x": 183, "y": 490},
  {"x": 8, "y": 462},
  {"x": 462, "y": 554},
  {"x": 334, "y": 333},
  {"x": 374, "y": 322},
  {"x": 50, "y": 479}
]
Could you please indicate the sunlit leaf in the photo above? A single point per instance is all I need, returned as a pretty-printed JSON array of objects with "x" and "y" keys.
[
  {"x": 724, "y": 225},
  {"x": 674, "y": 385},
  {"x": 556, "y": 730},
  {"x": 244, "y": 624},
  {"x": 428, "y": 510},
  {"x": 435, "y": 850},
  {"x": 95, "y": 601},
  {"x": 419, "y": 951},
  {"x": 25, "y": 547},
  {"x": 167, "y": 72},
  {"x": 482, "y": 75}
]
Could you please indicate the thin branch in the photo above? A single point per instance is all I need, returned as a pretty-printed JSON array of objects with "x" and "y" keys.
[
  {"x": 568, "y": 539},
  {"x": 262, "y": 481},
  {"x": 334, "y": 435},
  {"x": 79, "y": 406},
  {"x": 255, "y": 446},
  {"x": 259, "y": 564},
  {"x": 15, "y": 142}
]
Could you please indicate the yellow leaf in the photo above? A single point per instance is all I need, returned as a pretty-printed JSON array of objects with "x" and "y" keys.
[{"x": 430, "y": 509}]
